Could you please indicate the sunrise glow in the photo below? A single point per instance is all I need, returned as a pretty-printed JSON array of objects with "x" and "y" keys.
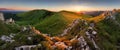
[{"x": 58, "y": 5}]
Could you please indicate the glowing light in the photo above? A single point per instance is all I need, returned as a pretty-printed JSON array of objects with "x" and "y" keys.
[
  {"x": 77, "y": 8},
  {"x": 80, "y": 8}
]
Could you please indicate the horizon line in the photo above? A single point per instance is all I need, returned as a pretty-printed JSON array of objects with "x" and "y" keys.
[{"x": 51, "y": 10}]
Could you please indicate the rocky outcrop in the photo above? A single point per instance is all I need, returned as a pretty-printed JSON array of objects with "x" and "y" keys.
[
  {"x": 27, "y": 47},
  {"x": 1, "y": 17},
  {"x": 10, "y": 21}
]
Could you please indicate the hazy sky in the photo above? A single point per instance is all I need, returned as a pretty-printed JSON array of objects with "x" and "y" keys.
[{"x": 57, "y": 5}]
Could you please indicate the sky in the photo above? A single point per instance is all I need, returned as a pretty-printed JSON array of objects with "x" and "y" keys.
[{"x": 58, "y": 5}]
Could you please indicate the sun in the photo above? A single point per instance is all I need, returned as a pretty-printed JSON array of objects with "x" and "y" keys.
[
  {"x": 77, "y": 8},
  {"x": 80, "y": 8}
]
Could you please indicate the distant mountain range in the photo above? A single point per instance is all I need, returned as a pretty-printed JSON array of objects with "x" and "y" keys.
[
  {"x": 7, "y": 10},
  {"x": 92, "y": 13}
]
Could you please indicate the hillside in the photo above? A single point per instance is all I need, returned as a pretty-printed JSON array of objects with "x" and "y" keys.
[
  {"x": 67, "y": 28},
  {"x": 110, "y": 31},
  {"x": 6, "y": 29},
  {"x": 46, "y": 21}
]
